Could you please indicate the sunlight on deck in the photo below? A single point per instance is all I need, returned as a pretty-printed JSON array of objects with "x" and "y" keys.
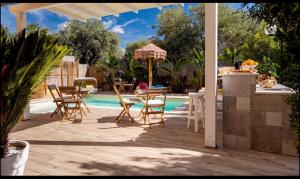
[{"x": 98, "y": 146}]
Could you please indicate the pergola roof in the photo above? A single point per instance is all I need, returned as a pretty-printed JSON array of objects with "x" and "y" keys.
[{"x": 83, "y": 11}]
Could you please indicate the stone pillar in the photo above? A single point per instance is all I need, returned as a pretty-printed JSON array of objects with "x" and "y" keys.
[{"x": 237, "y": 92}]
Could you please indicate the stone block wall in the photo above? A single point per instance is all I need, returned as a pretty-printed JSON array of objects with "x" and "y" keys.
[{"x": 255, "y": 121}]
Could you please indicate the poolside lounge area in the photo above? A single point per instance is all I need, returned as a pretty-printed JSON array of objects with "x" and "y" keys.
[
  {"x": 98, "y": 145},
  {"x": 210, "y": 90}
]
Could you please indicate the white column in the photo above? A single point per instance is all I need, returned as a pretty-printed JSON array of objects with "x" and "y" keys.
[
  {"x": 211, "y": 31},
  {"x": 21, "y": 21}
]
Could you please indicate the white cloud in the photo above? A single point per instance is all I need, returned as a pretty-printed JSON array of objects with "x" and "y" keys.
[
  {"x": 130, "y": 22},
  {"x": 63, "y": 25},
  {"x": 108, "y": 24},
  {"x": 112, "y": 26},
  {"x": 39, "y": 15},
  {"x": 118, "y": 29}
]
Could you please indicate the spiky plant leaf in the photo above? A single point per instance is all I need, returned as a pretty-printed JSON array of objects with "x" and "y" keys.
[{"x": 25, "y": 61}]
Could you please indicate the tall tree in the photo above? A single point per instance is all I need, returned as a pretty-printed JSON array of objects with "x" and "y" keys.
[
  {"x": 90, "y": 41},
  {"x": 178, "y": 34}
]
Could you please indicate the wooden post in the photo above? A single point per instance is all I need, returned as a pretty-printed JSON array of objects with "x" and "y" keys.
[
  {"x": 68, "y": 73},
  {"x": 211, "y": 54},
  {"x": 62, "y": 73},
  {"x": 150, "y": 73},
  {"x": 21, "y": 21},
  {"x": 77, "y": 63}
]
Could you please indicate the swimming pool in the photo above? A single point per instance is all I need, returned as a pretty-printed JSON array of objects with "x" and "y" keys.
[
  {"x": 108, "y": 101},
  {"x": 113, "y": 101}
]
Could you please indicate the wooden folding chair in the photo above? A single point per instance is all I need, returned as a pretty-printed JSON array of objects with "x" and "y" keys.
[
  {"x": 73, "y": 105},
  {"x": 126, "y": 104},
  {"x": 56, "y": 99},
  {"x": 154, "y": 106},
  {"x": 129, "y": 85}
]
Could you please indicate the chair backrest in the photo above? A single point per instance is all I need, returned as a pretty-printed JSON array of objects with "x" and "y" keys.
[
  {"x": 117, "y": 79},
  {"x": 119, "y": 96},
  {"x": 154, "y": 92},
  {"x": 54, "y": 91},
  {"x": 68, "y": 90},
  {"x": 133, "y": 80}
]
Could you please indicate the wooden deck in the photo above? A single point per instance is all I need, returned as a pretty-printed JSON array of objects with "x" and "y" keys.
[{"x": 98, "y": 146}]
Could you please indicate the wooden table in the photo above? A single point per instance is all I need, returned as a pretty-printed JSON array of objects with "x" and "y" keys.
[{"x": 82, "y": 93}]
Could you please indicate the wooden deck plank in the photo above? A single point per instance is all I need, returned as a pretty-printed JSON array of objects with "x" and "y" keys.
[{"x": 99, "y": 146}]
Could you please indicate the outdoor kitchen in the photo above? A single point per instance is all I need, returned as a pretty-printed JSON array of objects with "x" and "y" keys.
[{"x": 256, "y": 113}]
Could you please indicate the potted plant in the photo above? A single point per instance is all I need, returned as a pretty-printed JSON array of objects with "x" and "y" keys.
[
  {"x": 80, "y": 84},
  {"x": 26, "y": 58}
]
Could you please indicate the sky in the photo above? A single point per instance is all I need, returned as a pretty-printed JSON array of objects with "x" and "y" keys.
[{"x": 129, "y": 26}]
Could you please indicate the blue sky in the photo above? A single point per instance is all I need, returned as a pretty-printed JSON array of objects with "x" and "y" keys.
[{"x": 129, "y": 26}]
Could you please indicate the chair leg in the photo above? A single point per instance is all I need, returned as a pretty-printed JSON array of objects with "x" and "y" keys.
[
  {"x": 65, "y": 114},
  {"x": 86, "y": 106},
  {"x": 80, "y": 110},
  {"x": 127, "y": 111},
  {"x": 190, "y": 111},
  {"x": 149, "y": 120},
  {"x": 196, "y": 125},
  {"x": 143, "y": 117},
  {"x": 162, "y": 119},
  {"x": 73, "y": 111},
  {"x": 140, "y": 112},
  {"x": 62, "y": 114},
  {"x": 55, "y": 112},
  {"x": 188, "y": 123},
  {"x": 132, "y": 120},
  {"x": 120, "y": 114}
]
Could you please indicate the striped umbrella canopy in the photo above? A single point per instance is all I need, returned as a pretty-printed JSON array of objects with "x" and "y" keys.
[{"x": 151, "y": 53}]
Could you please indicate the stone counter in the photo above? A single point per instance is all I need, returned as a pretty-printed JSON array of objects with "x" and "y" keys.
[{"x": 255, "y": 118}]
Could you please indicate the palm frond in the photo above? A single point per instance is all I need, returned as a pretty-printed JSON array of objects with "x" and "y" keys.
[{"x": 28, "y": 57}]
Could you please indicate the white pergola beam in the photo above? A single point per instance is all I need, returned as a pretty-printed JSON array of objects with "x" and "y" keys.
[
  {"x": 20, "y": 21},
  {"x": 24, "y": 7},
  {"x": 64, "y": 13},
  {"x": 108, "y": 9},
  {"x": 157, "y": 5},
  {"x": 75, "y": 11},
  {"x": 130, "y": 7},
  {"x": 211, "y": 54},
  {"x": 84, "y": 10}
]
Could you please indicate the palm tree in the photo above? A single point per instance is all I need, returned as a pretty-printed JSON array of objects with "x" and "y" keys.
[
  {"x": 199, "y": 65},
  {"x": 26, "y": 58},
  {"x": 174, "y": 71},
  {"x": 111, "y": 64}
]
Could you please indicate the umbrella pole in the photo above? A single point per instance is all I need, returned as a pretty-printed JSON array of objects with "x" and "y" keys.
[{"x": 150, "y": 72}]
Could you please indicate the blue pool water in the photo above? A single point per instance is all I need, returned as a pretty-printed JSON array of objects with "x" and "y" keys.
[
  {"x": 113, "y": 101},
  {"x": 102, "y": 101}
]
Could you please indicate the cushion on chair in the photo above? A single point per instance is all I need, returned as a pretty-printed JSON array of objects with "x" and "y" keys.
[
  {"x": 154, "y": 102},
  {"x": 135, "y": 100},
  {"x": 128, "y": 101}
]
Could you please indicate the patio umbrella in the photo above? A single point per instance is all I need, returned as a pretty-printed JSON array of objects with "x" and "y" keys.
[{"x": 151, "y": 53}]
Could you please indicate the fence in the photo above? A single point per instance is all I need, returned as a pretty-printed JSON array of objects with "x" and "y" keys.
[{"x": 62, "y": 75}]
